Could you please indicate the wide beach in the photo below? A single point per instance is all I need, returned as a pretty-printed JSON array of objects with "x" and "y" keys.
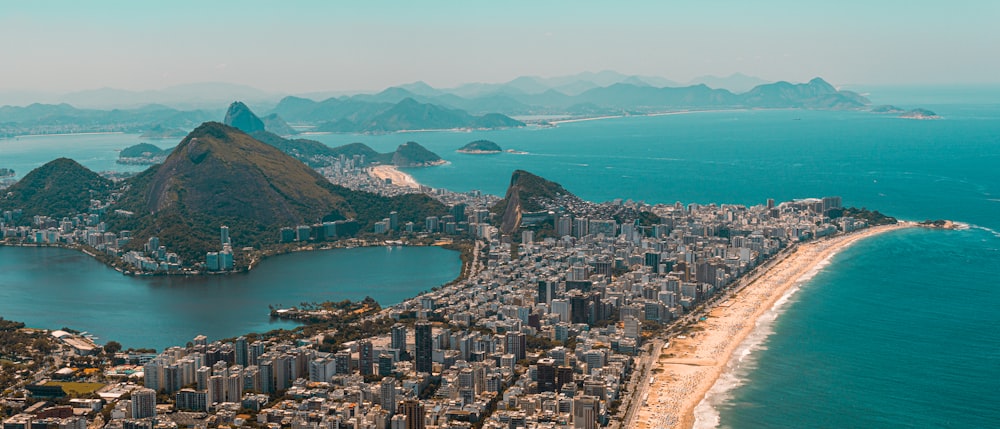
[
  {"x": 397, "y": 177},
  {"x": 684, "y": 372}
]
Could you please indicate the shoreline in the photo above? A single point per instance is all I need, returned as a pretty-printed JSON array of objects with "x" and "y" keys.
[
  {"x": 392, "y": 173},
  {"x": 684, "y": 373},
  {"x": 670, "y": 113}
]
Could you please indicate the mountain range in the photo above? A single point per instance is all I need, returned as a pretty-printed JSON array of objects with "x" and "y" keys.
[{"x": 417, "y": 106}]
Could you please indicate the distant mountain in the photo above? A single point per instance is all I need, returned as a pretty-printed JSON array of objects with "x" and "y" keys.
[
  {"x": 59, "y": 188},
  {"x": 219, "y": 175},
  {"x": 526, "y": 193},
  {"x": 480, "y": 146},
  {"x": 316, "y": 154},
  {"x": 240, "y": 116},
  {"x": 64, "y": 118},
  {"x": 817, "y": 94},
  {"x": 410, "y": 114},
  {"x": 570, "y": 85},
  {"x": 161, "y": 132},
  {"x": 736, "y": 82},
  {"x": 273, "y": 123}
]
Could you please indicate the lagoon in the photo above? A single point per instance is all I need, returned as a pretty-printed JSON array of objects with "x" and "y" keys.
[{"x": 54, "y": 288}]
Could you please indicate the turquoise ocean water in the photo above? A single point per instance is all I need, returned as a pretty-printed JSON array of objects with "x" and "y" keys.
[{"x": 902, "y": 330}]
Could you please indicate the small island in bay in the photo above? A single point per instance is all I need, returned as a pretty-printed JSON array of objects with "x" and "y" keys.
[
  {"x": 480, "y": 147},
  {"x": 920, "y": 114},
  {"x": 906, "y": 114},
  {"x": 142, "y": 154},
  {"x": 6, "y": 173}
]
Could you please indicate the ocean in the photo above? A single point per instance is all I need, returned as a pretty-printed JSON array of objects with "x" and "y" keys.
[{"x": 900, "y": 330}]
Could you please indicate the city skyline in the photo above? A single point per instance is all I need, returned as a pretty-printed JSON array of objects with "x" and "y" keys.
[{"x": 371, "y": 46}]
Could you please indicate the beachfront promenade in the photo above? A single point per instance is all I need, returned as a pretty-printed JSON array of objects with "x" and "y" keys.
[{"x": 683, "y": 373}]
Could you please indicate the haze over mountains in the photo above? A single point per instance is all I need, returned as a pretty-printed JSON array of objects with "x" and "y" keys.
[{"x": 417, "y": 106}]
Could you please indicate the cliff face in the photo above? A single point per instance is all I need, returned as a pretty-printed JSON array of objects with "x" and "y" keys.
[{"x": 526, "y": 193}]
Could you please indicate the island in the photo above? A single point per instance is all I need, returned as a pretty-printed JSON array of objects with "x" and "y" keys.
[
  {"x": 479, "y": 147},
  {"x": 906, "y": 114},
  {"x": 142, "y": 154},
  {"x": 6, "y": 173},
  {"x": 922, "y": 114}
]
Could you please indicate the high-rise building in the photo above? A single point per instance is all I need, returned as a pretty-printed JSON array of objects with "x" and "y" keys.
[
  {"x": 393, "y": 220},
  {"x": 516, "y": 343},
  {"x": 546, "y": 292},
  {"x": 458, "y": 212},
  {"x": 143, "y": 403},
  {"x": 266, "y": 370},
  {"x": 414, "y": 412},
  {"x": 387, "y": 393},
  {"x": 424, "y": 348},
  {"x": 585, "y": 411},
  {"x": 242, "y": 352},
  {"x": 234, "y": 387},
  {"x": 546, "y": 370},
  {"x": 191, "y": 400},
  {"x": 385, "y": 363},
  {"x": 399, "y": 337},
  {"x": 224, "y": 232},
  {"x": 366, "y": 358}
]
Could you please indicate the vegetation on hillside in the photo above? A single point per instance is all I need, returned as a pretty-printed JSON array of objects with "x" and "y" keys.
[
  {"x": 141, "y": 150},
  {"x": 480, "y": 146},
  {"x": 870, "y": 216},
  {"x": 60, "y": 188}
]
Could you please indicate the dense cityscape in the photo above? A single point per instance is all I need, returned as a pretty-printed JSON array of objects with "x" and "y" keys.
[{"x": 550, "y": 329}]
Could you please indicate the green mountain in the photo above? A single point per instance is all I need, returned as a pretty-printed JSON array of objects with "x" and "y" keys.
[
  {"x": 481, "y": 146},
  {"x": 60, "y": 188},
  {"x": 526, "y": 193},
  {"x": 219, "y": 175},
  {"x": 412, "y": 154}
]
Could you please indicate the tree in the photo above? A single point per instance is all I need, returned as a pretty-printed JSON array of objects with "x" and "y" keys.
[{"x": 112, "y": 347}]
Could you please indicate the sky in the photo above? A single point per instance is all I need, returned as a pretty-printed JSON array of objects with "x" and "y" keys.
[{"x": 303, "y": 46}]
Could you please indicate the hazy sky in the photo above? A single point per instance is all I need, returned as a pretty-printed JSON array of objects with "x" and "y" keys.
[{"x": 332, "y": 45}]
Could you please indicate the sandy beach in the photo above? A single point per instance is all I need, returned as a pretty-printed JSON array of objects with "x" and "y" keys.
[
  {"x": 392, "y": 173},
  {"x": 684, "y": 372}
]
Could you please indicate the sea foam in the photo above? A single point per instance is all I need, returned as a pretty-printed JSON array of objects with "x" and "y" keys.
[{"x": 742, "y": 362}]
